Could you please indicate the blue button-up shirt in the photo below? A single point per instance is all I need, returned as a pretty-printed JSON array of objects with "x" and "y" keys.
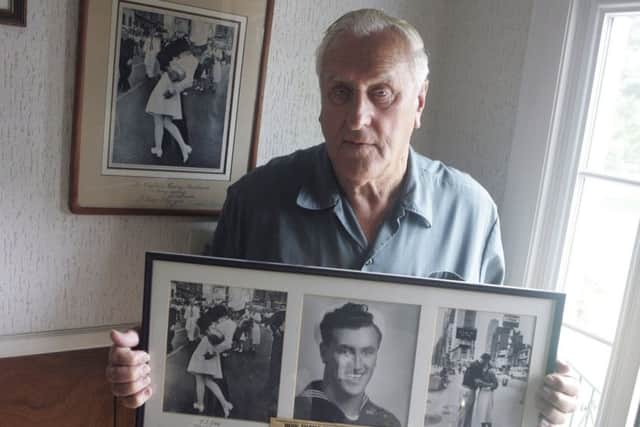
[{"x": 291, "y": 210}]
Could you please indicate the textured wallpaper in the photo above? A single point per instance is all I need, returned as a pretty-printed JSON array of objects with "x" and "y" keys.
[
  {"x": 475, "y": 91},
  {"x": 58, "y": 270},
  {"x": 64, "y": 271}
]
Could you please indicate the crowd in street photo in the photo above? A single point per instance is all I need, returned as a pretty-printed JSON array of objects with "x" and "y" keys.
[{"x": 224, "y": 351}]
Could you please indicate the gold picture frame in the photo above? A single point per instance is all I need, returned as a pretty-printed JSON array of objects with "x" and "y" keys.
[{"x": 135, "y": 77}]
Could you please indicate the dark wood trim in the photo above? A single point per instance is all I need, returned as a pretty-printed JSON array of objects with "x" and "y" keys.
[
  {"x": 16, "y": 15},
  {"x": 124, "y": 417},
  {"x": 77, "y": 109},
  {"x": 57, "y": 389},
  {"x": 255, "y": 137}
]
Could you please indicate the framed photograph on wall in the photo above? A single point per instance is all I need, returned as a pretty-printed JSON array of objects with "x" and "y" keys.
[
  {"x": 168, "y": 102},
  {"x": 13, "y": 12},
  {"x": 239, "y": 343}
]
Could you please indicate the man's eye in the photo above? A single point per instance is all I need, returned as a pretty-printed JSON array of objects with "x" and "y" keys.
[
  {"x": 381, "y": 96},
  {"x": 369, "y": 351},
  {"x": 343, "y": 350},
  {"x": 339, "y": 94}
]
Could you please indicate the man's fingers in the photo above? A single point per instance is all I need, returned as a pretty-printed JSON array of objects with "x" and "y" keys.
[
  {"x": 555, "y": 406},
  {"x": 127, "y": 374},
  {"x": 552, "y": 417},
  {"x": 545, "y": 423},
  {"x": 131, "y": 388},
  {"x": 121, "y": 356},
  {"x": 563, "y": 383},
  {"x": 562, "y": 367},
  {"x": 137, "y": 399},
  {"x": 558, "y": 397},
  {"x": 125, "y": 339},
  {"x": 559, "y": 400}
]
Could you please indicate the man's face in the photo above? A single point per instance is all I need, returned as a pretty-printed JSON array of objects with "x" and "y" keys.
[
  {"x": 371, "y": 104},
  {"x": 350, "y": 359}
]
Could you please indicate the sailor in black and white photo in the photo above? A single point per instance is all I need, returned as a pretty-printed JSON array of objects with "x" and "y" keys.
[{"x": 349, "y": 351}]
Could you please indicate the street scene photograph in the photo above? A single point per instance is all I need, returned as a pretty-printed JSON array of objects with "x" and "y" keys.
[
  {"x": 350, "y": 369},
  {"x": 224, "y": 351},
  {"x": 479, "y": 369},
  {"x": 173, "y": 81}
]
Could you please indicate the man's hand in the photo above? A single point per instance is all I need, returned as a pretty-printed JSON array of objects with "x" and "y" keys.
[
  {"x": 128, "y": 370},
  {"x": 558, "y": 397}
]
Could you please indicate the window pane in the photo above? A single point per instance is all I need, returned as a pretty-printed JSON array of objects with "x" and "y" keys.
[
  {"x": 615, "y": 145},
  {"x": 587, "y": 356},
  {"x": 600, "y": 253},
  {"x": 589, "y": 359}
]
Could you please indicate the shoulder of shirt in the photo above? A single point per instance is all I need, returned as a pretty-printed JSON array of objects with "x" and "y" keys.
[
  {"x": 435, "y": 173},
  {"x": 313, "y": 390},
  {"x": 279, "y": 173},
  {"x": 371, "y": 409}
]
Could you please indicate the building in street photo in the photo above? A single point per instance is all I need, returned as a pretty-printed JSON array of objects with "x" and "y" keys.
[
  {"x": 479, "y": 369},
  {"x": 224, "y": 351}
]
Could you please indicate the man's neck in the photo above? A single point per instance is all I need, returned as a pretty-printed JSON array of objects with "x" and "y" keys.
[
  {"x": 372, "y": 200},
  {"x": 349, "y": 405}
]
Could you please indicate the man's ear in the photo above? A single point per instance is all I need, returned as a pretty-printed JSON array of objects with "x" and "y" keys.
[{"x": 422, "y": 99}]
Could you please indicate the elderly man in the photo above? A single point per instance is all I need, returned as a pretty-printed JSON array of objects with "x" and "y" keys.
[
  {"x": 349, "y": 351},
  {"x": 363, "y": 199}
]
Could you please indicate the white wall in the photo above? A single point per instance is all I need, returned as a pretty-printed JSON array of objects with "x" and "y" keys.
[
  {"x": 474, "y": 92},
  {"x": 62, "y": 271}
]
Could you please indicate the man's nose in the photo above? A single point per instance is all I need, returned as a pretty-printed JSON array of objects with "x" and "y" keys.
[
  {"x": 360, "y": 112},
  {"x": 358, "y": 363}
]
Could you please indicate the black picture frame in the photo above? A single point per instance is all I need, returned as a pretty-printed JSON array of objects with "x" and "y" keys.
[
  {"x": 427, "y": 312},
  {"x": 16, "y": 14}
]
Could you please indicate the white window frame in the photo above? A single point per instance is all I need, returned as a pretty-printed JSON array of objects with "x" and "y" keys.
[
  {"x": 558, "y": 71},
  {"x": 546, "y": 149},
  {"x": 539, "y": 108},
  {"x": 621, "y": 393}
]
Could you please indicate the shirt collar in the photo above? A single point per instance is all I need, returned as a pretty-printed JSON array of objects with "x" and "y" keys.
[
  {"x": 416, "y": 197},
  {"x": 315, "y": 390},
  {"x": 321, "y": 190}
]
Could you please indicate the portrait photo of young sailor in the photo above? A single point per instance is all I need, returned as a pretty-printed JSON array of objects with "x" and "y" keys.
[{"x": 351, "y": 344}]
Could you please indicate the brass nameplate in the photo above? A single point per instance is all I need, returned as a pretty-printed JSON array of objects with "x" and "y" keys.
[{"x": 290, "y": 422}]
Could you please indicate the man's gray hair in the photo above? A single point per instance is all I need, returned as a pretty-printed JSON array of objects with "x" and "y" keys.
[{"x": 364, "y": 22}]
